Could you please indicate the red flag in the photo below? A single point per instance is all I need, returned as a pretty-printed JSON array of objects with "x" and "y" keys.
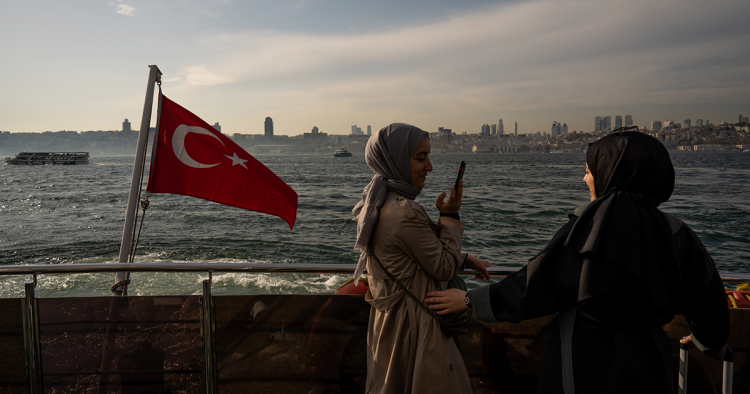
[{"x": 194, "y": 159}]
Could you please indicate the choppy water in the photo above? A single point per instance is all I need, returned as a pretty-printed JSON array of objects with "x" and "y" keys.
[{"x": 513, "y": 204}]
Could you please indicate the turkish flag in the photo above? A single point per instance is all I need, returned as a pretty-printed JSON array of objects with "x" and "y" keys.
[{"x": 194, "y": 159}]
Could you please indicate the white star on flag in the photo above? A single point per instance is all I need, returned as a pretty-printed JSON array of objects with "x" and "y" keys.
[{"x": 236, "y": 160}]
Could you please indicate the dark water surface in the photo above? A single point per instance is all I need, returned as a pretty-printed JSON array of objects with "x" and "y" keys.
[{"x": 513, "y": 204}]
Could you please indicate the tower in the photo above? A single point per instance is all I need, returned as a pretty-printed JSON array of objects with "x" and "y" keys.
[
  {"x": 217, "y": 127},
  {"x": 369, "y": 130},
  {"x": 269, "y": 129},
  {"x": 516, "y": 128},
  {"x": 618, "y": 121},
  {"x": 500, "y": 127},
  {"x": 126, "y": 126},
  {"x": 598, "y": 123},
  {"x": 628, "y": 120}
]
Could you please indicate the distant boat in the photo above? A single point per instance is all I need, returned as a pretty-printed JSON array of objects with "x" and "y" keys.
[
  {"x": 41, "y": 158},
  {"x": 342, "y": 152}
]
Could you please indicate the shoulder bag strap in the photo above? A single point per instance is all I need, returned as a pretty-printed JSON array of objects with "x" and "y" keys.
[{"x": 405, "y": 290}]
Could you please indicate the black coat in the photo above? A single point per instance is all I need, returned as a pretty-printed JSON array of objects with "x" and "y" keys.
[{"x": 618, "y": 344}]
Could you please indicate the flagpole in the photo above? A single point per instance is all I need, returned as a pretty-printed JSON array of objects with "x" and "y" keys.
[{"x": 120, "y": 287}]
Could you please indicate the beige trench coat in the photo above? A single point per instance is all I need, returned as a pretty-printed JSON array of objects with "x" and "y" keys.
[{"x": 406, "y": 351}]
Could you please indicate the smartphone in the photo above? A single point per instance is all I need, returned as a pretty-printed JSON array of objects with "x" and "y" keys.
[{"x": 460, "y": 175}]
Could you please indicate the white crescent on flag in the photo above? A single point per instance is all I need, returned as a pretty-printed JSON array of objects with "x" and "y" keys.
[{"x": 178, "y": 145}]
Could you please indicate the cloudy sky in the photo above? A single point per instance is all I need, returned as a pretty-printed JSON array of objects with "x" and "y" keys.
[{"x": 82, "y": 64}]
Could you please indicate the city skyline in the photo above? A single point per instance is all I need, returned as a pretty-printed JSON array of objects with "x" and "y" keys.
[{"x": 431, "y": 64}]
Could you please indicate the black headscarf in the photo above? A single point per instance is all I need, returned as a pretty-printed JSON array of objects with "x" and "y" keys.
[{"x": 623, "y": 228}]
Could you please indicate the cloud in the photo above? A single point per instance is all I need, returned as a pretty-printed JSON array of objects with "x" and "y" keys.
[
  {"x": 532, "y": 56},
  {"x": 127, "y": 10}
]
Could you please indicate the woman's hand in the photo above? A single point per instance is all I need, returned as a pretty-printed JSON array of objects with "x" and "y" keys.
[
  {"x": 480, "y": 265},
  {"x": 687, "y": 340},
  {"x": 447, "y": 301},
  {"x": 454, "y": 201}
]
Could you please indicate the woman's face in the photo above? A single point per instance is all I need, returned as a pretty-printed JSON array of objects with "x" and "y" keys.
[
  {"x": 589, "y": 179},
  {"x": 420, "y": 163}
]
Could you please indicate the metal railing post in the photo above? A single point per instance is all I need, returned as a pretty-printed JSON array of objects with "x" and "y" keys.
[
  {"x": 210, "y": 383},
  {"x": 682, "y": 380},
  {"x": 726, "y": 383},
  {"x": 31, "y": 340}
]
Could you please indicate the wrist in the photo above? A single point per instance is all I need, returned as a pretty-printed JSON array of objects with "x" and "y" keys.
[{"x": 453, "y": 215}]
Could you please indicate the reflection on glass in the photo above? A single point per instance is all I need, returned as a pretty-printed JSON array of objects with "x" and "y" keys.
[
  {"x": 12, "y": 372},
  {"x": 121, "y": 344}
]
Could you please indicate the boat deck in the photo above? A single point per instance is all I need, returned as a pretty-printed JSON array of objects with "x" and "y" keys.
[{"x": 261, "y": 343}]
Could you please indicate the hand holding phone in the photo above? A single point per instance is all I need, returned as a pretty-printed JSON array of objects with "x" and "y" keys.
[{"x": 454, "y": 201}]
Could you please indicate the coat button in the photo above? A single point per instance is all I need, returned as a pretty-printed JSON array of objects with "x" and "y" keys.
[{"x": 451, "y": 367}]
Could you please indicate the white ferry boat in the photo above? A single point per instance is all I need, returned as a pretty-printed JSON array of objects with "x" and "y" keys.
[
  {"x": 342, "y": 152},
  {"x": 41, "y": 158}
]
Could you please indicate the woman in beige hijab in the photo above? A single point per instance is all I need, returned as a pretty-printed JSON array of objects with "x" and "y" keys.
[{"x": 406, "y": 350}]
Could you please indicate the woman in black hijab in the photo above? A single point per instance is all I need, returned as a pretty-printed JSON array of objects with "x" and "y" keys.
[{"x": 613, "y": 275}]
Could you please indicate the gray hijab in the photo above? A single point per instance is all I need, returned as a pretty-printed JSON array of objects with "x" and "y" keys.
[{"x": 388, "y": 152}]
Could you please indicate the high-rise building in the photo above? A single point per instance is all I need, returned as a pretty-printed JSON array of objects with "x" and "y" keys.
[
  {"x": 500, "y": 127},
  {"x": 126, "y": 126},
  {"x": 557, "y": 128},
  {"x": 217, "y": 127},
  {"x": 740, "y": 119},
  {"x": 357, "y": 130},
  {"x": 565, "y": 128},
  {"x": 686, "y": 123},
  {"x": 269, "y": 129},
  {"x": 656, "y": 125},
  {"x": 494, "y": 129},
  {"x": 516, "y": 128},
  {"x": 598, "y": 123},
  {"x": 369, "y": 130},
  {"x": 628, "y": 120},
  {"x": 699, "y": 122},
  {"x": 707, "y": 123},
  {"x": 608, "y": 123},
  {"x": 618, "y": 122}
]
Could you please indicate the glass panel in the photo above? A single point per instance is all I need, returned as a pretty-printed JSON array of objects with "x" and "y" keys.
[
  {"x": 12, "y": 362},
  {"x": 152, "y": 346},
  {"x": 291, "y": 343}
]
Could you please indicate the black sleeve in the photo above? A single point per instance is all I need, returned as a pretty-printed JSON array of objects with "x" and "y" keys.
[
  {"x": 706, "y": 308},
  {"x": 547, "y": 284}
]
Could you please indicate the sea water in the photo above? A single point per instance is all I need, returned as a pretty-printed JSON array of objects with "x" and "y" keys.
[{"x": 512, "y": 206}]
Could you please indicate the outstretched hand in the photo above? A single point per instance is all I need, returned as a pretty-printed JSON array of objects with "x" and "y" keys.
[
  {"x": 446, "y": 301},
  {"x": 454, "y": 201},
  {"x": 480, "y": 265}
]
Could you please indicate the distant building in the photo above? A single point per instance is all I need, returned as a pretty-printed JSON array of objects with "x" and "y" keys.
[
  {"x": 444, "y": 135},
  {"x": 217, "y": 127},
  {"x": 126, "y": 126},
  {"x": 739, "y": 119},
  {"x": 608, "y": 123},
  {"x": 494, "y": 129},
  {"x": 656, "y": 126},
  {"x": 516, "y": 128},
  {"x": 628, "y": 120},
  {"x": 314, "y": 135},
  {"x": 686, "y": 122},
  {"x": 356, "y": 130},
  {"x": 618, "y": 122},
  {"x": 269, "y": 129},
  {"x": 708, "y": 122},
  {"x": 699, "y": 122},
  {"x": 598, "y": 123},
  {"x": 369, "y": 130},
  {"x": 500, "y": 127},
  {"x": 556, "y": 128},
  {"x": 565, "y": 128}
]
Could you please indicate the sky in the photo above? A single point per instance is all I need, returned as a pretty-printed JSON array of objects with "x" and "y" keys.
[{"x": 83, "y": 64}]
